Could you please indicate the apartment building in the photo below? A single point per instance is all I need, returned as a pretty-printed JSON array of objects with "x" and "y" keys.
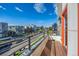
[{"x": 3, "y": 29}]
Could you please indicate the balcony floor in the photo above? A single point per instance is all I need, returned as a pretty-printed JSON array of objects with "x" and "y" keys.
[{"x": 50, "y": 48}]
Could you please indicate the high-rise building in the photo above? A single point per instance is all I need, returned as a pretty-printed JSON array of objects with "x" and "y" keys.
[
  {"x": 3, "y": 29},
  {"x": 54, "y": 28},
  {"x": 59, "y": 26}
]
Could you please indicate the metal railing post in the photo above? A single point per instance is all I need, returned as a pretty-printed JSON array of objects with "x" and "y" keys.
[{"x": 29, "y": 43}]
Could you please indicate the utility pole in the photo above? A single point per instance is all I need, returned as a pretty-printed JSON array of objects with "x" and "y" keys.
[{"x": 29, "y": 42}]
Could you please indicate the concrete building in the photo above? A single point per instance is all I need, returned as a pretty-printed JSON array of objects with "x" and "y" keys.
[
  {"x": 3, "y": 29},
  {"x": 59, "y": 26},
  {"x": 17, "y": 29},
  {"x": 54, "y": 26}
]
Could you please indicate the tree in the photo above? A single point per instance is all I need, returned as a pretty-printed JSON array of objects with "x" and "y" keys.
[
  {"x": 29, "y": 30},
  {"x": 11, "y": 33}
]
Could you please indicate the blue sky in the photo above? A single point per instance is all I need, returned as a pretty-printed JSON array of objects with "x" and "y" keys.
[{"x": 28, "y": 13}]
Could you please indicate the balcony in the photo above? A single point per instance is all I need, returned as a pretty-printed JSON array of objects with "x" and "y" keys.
[{"x": 50, "y": 48}]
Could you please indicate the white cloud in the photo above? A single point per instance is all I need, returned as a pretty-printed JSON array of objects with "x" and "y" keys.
[
  {"x": 56, "y": 9},
  {"x": 39, "y": 7},
  {"x": 18, "y": 9},
  {"x": 1, "y": 7}
]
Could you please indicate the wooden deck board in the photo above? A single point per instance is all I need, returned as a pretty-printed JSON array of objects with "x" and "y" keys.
[
  {"x": 49, "y": 48},
  {"x": 53, "y": 49},
  {"x": 59, "y": 49},
  {"x": 40, "y": 48},
  {"x": 46, "y": 52}
]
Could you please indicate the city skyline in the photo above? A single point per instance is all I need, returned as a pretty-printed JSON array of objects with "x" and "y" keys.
[{"x": 28, "y": 13}]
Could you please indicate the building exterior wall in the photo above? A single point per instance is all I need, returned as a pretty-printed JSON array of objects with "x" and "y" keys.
[
  {"x": 78, "y": 29},
  {"x": 63, "y": 24},
  {"x": 3, "y": 29},
  {"x": 17, "y": 29},
  {"x": 59, "y": 8},
  {"x": 72, "y": 29}
]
